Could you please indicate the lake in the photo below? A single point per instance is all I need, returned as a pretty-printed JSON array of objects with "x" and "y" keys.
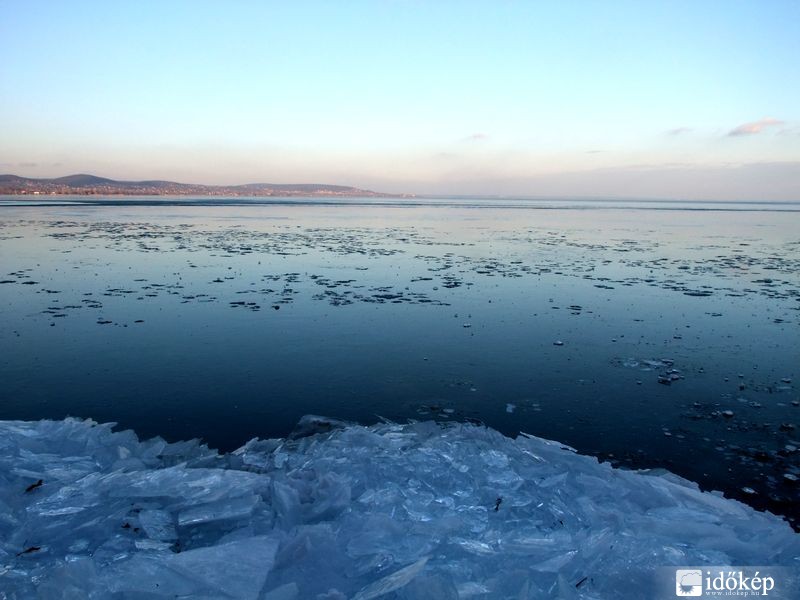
[{"x": 648, "y": 334}]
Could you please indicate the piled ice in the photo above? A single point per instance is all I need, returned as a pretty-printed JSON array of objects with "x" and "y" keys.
[{"x": 396, "y": 511}]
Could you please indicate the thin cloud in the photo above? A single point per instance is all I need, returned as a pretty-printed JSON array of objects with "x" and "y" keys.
[
  {"x": 679, "y": 130},
  {"x": 25, "y": 165},
  {"x": 754, "y": 127},
  {"x": 790, "y": 131},
  {"x": 28, "y": 165},
  {"x": 477, "y": 137}
]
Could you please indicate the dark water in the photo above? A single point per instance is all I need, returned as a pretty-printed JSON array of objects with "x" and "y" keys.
[{"x": 624, "y": 329}]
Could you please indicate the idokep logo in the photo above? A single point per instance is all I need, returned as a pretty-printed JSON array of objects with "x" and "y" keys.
[
  {"x": 688, "y": 582},
  {"x": 720, "y": 581}
]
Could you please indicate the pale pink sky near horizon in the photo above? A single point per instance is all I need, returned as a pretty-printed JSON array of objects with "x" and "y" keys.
[{"x": 687, "y": 99}]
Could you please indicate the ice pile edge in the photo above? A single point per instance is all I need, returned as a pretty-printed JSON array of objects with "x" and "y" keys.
[{"x": 338, "y": 511}]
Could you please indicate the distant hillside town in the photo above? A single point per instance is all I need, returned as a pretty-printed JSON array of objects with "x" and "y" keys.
[{"x": 91, "y": 185}]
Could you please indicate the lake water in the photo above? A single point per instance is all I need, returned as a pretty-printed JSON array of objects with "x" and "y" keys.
[{"x": 650, "y": 334}]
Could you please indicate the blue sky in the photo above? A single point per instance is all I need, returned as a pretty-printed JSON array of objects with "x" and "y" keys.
[{"x": 656, "y": 99}]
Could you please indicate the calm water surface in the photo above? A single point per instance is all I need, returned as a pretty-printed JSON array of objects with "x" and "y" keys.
[{"x": 649, "y": 334}]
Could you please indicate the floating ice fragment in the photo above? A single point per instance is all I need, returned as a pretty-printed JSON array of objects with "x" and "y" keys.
[{"x": 312, "y": 424}]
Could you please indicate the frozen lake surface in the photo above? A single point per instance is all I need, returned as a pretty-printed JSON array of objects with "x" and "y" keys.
[
  {"x": 650, "y": 335},
  {"x": 413, "y": 511}
]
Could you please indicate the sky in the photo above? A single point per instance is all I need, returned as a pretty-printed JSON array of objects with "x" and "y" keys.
[{"x": 679, "y": 99}]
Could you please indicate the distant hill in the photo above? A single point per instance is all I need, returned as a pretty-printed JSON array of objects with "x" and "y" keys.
[
  {"x": 84, "y": 184},
  {"x": 82, "y": 180}
]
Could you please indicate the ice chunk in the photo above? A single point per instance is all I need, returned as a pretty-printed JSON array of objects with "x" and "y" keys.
[
  {"x": 226, "y": 508},
  {"x": 246, "y": 563},
  {"x": 287, "y": 591},
  {"x": 158, "y": 524},
  {"x": 391, "y": 582},
  {"x": 233, "y": 570},
  {"x": 148, "y": 544},
  {"x": 312, "y": 425}
]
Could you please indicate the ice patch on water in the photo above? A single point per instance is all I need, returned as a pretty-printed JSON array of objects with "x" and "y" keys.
[{"x": 342, "y": 511}]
